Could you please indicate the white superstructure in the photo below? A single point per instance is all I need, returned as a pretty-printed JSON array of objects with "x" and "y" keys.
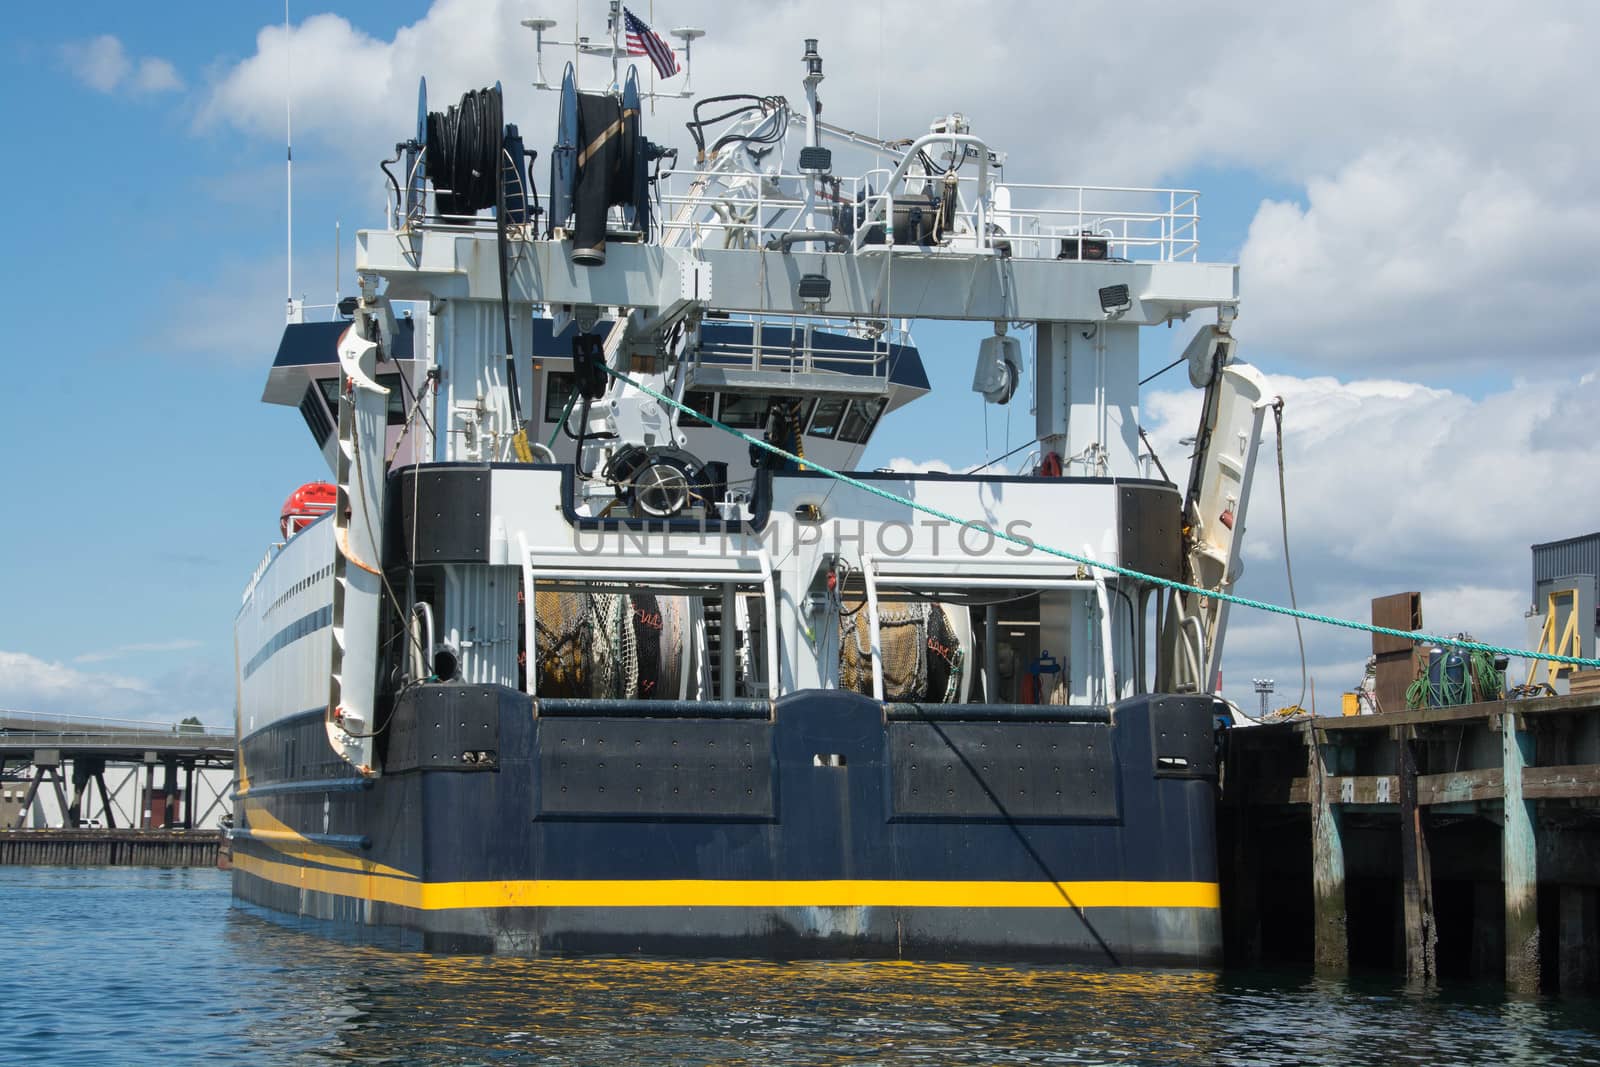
[{"x": 774, "y": 294}]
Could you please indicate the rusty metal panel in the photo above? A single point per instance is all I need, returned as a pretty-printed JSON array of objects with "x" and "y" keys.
[{"x": 1398, "y": 611}]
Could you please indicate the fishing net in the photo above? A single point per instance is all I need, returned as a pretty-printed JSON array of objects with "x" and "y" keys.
[
  {"x": 903, "y": 638},
  {"x": 564, "y": 628},
  {"x": 609, "y": 645},
  {"x": 924, "y": 651}
]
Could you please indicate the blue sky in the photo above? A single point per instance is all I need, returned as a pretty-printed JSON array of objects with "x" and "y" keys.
[{"x": 1414, "y": 280}]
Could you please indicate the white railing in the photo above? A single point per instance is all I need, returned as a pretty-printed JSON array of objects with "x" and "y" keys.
[
  {"x": 872, "y": 212},
  {"x": 1022, "y": 220},
  {"x": 811, "y": 346},
  {"x": 261, "y": 568},
  {"x": 1137, "y": 223},
  {"x": 51, "y": 723},
  {"x": 305, "y": 312}
]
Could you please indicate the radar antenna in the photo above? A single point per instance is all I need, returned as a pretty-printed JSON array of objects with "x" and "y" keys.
[{"x": 613, "y": 48}]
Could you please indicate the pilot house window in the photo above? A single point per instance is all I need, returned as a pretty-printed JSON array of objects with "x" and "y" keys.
[
  {"x": 699, "y": 400},
  {"x": 745, "y": 412},
  {"x": 558, "y": 390},
  {"x": 391, "y": 382},
  {"x": 825, "y": 423},
  {"x": 859, "y": 419}
]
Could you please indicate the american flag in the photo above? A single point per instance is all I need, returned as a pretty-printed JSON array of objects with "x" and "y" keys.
[{"x": 643, "y": 41}]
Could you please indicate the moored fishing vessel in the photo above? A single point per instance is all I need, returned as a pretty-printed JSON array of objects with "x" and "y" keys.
[{"x": 597, "y": 648}]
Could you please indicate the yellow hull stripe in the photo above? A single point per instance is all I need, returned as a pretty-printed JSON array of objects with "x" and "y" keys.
[
  {"x": 280, "y": 837},
  {"x": 708, "y": 893}
]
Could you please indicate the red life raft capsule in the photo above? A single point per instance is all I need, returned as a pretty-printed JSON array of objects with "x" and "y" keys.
[{"x": 305, "y": 505}]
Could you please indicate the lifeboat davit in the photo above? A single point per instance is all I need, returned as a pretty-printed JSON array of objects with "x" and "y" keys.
[{"x": 305, "y": 506}]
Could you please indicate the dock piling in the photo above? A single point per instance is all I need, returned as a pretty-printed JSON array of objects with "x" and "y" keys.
[
  {"x": 1416, "y": 869},
  {"x": 1495, "y": 808},
  {"x": 1519, "y": 871},
  {"x": 1332, "y": 943}
]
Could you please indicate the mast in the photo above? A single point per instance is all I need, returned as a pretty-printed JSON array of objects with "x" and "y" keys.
[{"x": 614, "y": 24}]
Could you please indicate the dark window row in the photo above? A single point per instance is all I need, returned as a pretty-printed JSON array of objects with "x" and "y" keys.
[
  {"x": 391, "y": 382},
  {"x": 317, "y": 420},
  {"x": 307, "y": 624},
  {"x": 831, "y": 418},
  {"x": 299, "y": 587}
]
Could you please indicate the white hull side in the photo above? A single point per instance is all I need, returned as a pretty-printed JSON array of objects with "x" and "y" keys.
[{"x": 283, "y": 632}]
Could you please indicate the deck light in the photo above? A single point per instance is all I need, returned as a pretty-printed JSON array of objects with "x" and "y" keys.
[
  {"x": 814, "y": 288},
  {"x": 1114, "y": 299},
  {"x": 812, "y": 60}
]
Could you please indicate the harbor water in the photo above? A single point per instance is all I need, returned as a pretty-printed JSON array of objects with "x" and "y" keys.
[{"x": 130, "y": 965}]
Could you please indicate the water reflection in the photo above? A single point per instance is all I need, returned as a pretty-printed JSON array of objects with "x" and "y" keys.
[
  {"x": 162, "y": 969},
  {"x": 632, "y": 1011}
]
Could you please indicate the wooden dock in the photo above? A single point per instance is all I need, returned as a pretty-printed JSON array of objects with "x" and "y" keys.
[
  {"x": 1460, "y": 841},
  {"x": 110, "y": 848}
]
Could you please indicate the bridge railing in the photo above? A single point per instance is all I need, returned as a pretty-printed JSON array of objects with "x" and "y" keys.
[{"x": 15, "y": 721}]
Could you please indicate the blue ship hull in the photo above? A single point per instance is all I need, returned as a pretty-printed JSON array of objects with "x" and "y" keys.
[{"x": 825, "y": 824}]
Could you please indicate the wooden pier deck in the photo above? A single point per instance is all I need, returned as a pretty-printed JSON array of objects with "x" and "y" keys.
[{"x": 1460, "y": 841}]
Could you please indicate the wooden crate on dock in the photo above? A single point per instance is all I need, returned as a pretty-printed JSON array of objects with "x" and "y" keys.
[{"x": 1581, "y": 682}]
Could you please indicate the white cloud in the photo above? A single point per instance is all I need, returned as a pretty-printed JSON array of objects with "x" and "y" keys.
[
  {"x": 156, "y": 75},
  {"x": 339, "y": 72},
  {"x": 902, "y": 465},
  {"x": 1447, "y": 217},
  {"x": 103, "y": 64},
  {"x": 100, "y": 63},
  {"x": 181, "y": 644},
  {"x": 1296, "y": 93},
  {"x": 1424, "y": 256},
  {"x": 30, "y": 683},
  {"x": 1394, "y": 486}
]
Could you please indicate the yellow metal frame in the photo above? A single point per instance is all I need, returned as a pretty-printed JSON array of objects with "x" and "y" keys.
[{"x": 1568, "y": 643}]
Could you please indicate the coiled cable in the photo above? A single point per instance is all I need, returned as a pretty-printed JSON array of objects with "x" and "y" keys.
[
  {"x": 466, "y": 161},
  {"x": 464, "y": 146}
]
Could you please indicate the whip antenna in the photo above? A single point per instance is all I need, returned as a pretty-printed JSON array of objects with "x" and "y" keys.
[{"x": 288, "y": 145}]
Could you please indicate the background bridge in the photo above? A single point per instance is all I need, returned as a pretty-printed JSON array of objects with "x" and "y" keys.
[{"x": 54, "y": 770}]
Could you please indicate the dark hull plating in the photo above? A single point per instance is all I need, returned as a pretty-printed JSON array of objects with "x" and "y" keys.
[{"x": 826, "y": 826}]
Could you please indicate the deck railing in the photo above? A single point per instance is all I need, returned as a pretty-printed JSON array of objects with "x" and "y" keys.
[
  {"x": 870, "y": 213},
  {"x": 43, "y": 723}
]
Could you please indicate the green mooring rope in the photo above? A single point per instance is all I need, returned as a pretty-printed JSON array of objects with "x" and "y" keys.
[
  {"x": 1126, "y": 572},
  {"x": 1478, "y": 673},
  {"x": 565, "y": 412}
]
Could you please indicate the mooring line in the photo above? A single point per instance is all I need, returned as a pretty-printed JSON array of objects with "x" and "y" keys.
[{"x": 1113, "y": 568}]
